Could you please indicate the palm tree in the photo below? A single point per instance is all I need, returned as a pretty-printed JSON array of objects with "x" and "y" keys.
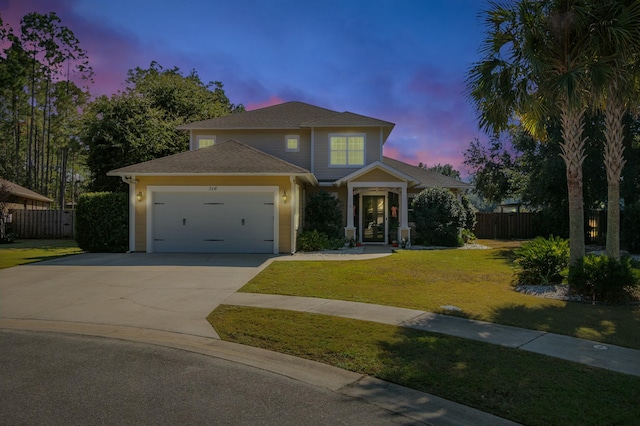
[
  {"x": 616, "y": 43},
  {"x": 534, "y": 67}
]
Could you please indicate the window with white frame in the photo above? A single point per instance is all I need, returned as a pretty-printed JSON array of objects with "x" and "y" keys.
[
  {"x": 203, "y": 141},
  {"x": 346, "y": 150},
  {"x": 292, "y": 143}
]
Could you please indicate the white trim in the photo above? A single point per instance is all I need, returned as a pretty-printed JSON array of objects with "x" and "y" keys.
[
  {"x": 132, "y": 215},
  {"x": 374, "y": 193},
  {"x": 347, "y": 165},
  {"x": 375, "y": 165},
  {"x": 293, "y": 209},
  {"x": 151, "y": 190},
  {"x": 374, "y": 188}
]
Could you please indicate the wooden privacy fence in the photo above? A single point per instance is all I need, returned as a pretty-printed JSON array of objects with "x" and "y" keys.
[
  {"x": 43, "y": 223},
  {"x": 505, "y": 225}
]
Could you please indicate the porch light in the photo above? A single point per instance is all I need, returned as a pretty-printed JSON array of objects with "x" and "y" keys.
[
  {"x": 139, "y": 196},
  {"x": 284, "y": 196}
]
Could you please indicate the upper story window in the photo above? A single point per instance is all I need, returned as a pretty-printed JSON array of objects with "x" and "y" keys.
[
  {"x": 292, "y": 143},
  {"x": 346, "y": 150},
  {"x": 203, "y": 141}
]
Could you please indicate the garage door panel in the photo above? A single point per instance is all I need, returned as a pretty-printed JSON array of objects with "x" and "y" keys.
[{"x": 213, "y": 222}]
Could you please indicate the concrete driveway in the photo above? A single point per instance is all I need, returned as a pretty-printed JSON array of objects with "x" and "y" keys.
[{"x": 168, "y": 292}]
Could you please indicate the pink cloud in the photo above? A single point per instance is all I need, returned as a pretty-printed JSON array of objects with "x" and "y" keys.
[{"x": 273, "y": 100}]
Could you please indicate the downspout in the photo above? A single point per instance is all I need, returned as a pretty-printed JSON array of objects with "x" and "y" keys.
[{"x": 131, "y": 181}]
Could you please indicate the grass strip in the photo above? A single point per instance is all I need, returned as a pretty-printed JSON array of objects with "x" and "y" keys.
[
  {"x": 525, "y": 387},
  {"x": 478, "y": 282},
  {"x": 28, "y": 251}
]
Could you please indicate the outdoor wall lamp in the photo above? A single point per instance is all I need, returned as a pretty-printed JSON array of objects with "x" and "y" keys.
[
  {"x": 284, "y": 196},
  {"x": 139, "y": 196}
]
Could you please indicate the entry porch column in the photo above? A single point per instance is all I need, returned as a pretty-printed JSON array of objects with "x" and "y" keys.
[
  {"x": 350, "y": 229},
  {"x": 404, "y": 230}
]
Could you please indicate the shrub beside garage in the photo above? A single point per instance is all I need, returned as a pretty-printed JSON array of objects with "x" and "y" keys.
[{"x": 102, "y": 222}]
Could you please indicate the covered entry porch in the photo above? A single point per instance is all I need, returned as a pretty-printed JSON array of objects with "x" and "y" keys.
[{"x": 377, "y": 204}]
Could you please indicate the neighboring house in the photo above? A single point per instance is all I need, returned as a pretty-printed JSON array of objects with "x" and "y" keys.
[
  {"x": 21, "y": 198},
  {"x": 16, "y": 197},
  {"x": 242, "y": 185}
]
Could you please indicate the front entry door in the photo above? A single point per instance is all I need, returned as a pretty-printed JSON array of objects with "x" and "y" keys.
[{"x": 373, "y": 219}]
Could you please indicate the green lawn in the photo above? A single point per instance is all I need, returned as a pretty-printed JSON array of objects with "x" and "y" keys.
[
  {"x": 525, "y": 387},
  {"x": 28, "y": 251},
  {"x": 479, "y": 282}
]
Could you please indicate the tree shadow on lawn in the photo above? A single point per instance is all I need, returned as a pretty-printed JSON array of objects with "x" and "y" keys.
[
  {"x": 506, "y": 255},
  {"x": 618, "y": 325},
  {"x": 518, "y": 385}
]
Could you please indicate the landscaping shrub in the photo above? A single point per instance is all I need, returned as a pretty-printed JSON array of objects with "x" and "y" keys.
[
  {"x": 467, "y": 236},
  {"x": 102, "y": 222},
  {"x": 314, "y": 241},
  {"x": 630, "y": 228},
  {"x": 439, "y": 217},
  {"x": 603, "y": 278},
  {"x": 470, "y": 211},
  {"x": 542, "y": 260},
  {"x": 323, "y": 214}
]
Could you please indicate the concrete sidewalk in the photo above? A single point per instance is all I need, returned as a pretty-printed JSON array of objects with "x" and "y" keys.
[{"x": 610, "y": 357}]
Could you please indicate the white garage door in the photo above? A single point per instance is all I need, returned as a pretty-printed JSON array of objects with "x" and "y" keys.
[{"x": 213, "y": 222}]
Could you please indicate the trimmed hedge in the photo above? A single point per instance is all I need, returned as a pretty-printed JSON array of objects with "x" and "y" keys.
[{"x": 102, "y": 222}]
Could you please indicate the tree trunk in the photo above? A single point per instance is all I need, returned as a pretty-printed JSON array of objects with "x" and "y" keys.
[
  {"x": 573, "y": 155},
  {"x": 614, "y": 162}
]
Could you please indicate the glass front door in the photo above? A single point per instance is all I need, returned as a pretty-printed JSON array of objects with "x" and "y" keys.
[{"x": 373, "y": 219}]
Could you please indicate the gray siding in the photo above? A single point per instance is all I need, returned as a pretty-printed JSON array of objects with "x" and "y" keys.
[
  {"x": 322, "y": 169},
  {"x": 270, "y": 141},
  {"x": 273, "y": 142}
]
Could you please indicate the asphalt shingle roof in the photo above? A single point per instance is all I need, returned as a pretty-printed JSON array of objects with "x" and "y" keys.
[
  {"x": 230, "y": 157},
  {"x": 21, "y": 191},
  {"x": 427, "y": 178},
  {"x": 288, "y": 115}
]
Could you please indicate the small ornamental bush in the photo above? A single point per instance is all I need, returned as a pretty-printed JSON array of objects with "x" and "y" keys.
[
  {"x": 102, "y": 222},
  {"x": 323, "y": 214},
  {"x": 603, "y": 278},
  {"x": 542, "y": 261},
  {"x": 439, "y": 217}
]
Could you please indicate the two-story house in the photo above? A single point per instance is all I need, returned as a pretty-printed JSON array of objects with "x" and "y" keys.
[{"x": 242, "y": 185}]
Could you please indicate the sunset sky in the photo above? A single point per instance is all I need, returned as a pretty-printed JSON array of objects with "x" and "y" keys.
[{"x": 402, "y": 61}]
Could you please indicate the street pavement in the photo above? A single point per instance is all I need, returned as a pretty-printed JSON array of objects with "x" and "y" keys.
[{"x": 63, "y": 379}]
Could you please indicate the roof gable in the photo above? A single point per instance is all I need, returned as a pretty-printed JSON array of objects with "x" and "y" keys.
[
  {"x": 230, "y": 157},
  {"x": 426, "y": 178},
  {"x": 378, "y": 165}
]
